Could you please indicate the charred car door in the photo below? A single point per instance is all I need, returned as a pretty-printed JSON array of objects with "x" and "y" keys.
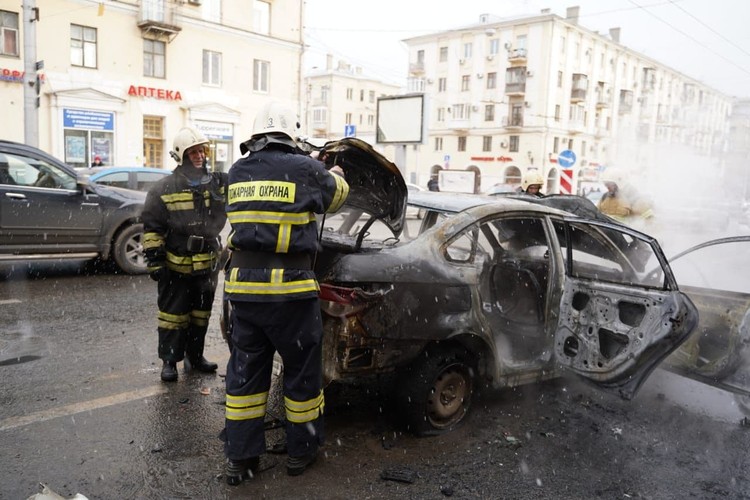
[{"x": 618, "y": 318}]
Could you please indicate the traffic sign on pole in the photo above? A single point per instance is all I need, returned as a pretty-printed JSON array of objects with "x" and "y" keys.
[
  {"x": 350, "y": 130},
  {"x": 566, "y": 159}
]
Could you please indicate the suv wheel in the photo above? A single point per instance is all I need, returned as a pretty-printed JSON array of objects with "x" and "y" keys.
[
  {"x": 128, "y": 250},
  {"x": 435, "y": 392}
]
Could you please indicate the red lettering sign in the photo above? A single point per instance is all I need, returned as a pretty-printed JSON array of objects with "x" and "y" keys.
[
  {"x": 167, "y": 95},
  {"x": 482, "y": 158},
  {"x": 504, "y": 158}
]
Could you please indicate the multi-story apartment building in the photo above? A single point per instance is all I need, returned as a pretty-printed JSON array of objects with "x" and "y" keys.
[
  {"x": 119, "y": 79},
  {"x": 507, "y": 96},
  {"x": 342, "y": 101}
]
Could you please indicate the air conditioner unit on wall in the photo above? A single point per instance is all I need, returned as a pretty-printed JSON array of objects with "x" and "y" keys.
[
  {"x": 461, "y": 61},
  {"x": 503, "y": 144},
  {"x": 490, "y": 57}
]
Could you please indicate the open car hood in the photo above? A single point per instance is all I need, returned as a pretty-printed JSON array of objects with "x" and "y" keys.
[{"x": 376, "y": 185}]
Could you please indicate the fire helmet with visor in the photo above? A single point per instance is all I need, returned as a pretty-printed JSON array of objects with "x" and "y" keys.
[
  {"x": 185, "y": 139},
  {"x": 275, "y": 117}
]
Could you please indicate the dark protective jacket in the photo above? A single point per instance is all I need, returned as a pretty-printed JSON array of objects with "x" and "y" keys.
[
  {"x": 182, "y": 218},
  {"x": 272, "y": 200}
]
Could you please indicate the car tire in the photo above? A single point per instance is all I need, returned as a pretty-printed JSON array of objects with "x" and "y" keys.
[
  {"x": 127, "y": 251},
  {"x": 434, "y": 393}
]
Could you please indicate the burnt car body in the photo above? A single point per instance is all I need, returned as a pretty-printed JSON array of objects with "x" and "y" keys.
[
  {"x": 487, "y": 291},
  {"x": 716, "y": 353},
  {"x": 497, "y": 291}
]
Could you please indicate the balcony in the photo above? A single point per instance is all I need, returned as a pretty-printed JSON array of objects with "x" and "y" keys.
[
  {"x": 576, "y": 126},
  {"x": 156, "y": 17},
  {"x": 416, "y": 69},
  {"x": 515, "y": 89},
  {"x": 626, "y": 102},
  {"x": 580, "y": 86},
  {"x": 517, "y": 56},
  {"x": 513, "y": 121}
]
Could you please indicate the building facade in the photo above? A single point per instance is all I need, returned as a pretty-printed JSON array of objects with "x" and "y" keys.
[
  {"x": 512, "y": 95},
  {"x": 340, "y": 101},
  {"x": 119, "y": 79}
]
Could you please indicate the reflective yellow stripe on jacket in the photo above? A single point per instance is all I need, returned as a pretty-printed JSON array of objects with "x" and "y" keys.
[
  {"x": 183, "y": 200},
  {"x": 276, "y": 285},
  {"x": 188, "y": 264},
  {"x": 284, "y": 220}
]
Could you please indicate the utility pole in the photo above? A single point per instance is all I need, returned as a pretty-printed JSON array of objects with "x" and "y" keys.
[{"x": 30, "y": 79}]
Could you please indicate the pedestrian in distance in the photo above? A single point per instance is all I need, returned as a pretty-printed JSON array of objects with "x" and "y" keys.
[
  {"x": 97, "y": 162},
  {"x": 182, "y": 218},
  {"x": 274, "y": 192},
  {"x": 433, "y": 184}
]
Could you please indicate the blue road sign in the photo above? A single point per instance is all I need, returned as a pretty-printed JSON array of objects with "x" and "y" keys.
[
  {"x": 566, "y": 158},
  {"x": 350, "y": 130},
  {"x": 447, "y": 158}
]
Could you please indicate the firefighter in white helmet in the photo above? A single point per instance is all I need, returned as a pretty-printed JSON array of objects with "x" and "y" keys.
[
  {"x": 615, "y": 202},
  {"x": 532, "y": 183},
  {"x": 182, "y": 219},
  {"x": 274, "y": 192}
]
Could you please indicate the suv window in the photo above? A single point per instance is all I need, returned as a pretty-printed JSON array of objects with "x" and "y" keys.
[{"x": 28, "y": 171}]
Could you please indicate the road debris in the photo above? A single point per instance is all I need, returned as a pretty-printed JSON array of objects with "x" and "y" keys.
[{"x": 399, "y": 473}]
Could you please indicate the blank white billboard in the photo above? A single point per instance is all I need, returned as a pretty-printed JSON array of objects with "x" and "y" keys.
[{"x": 401, "y": 119}]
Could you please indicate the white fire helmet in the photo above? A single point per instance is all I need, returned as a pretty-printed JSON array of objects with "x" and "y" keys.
[
  {"x": 532, "y": 177},
  {"x": 613, "y": 175},
  {"x": 276, "y": 117},
  {"x": 185, "y": 139}
]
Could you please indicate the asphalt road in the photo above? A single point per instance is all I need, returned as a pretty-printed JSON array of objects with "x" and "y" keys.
[{"x": 82, "y": 410}]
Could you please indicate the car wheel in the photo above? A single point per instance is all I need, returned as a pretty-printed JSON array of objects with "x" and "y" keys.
[
  {"x": 128, "y": 250},
  {"x": 434, "y": 394}
]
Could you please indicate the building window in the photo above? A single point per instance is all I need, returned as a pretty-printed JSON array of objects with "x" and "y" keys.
[
  {"x": 211, "y": 68},
  {"x": 465, "y": 83},
  {"x": 438, "y": 143},
  {"x": 486, "y": 143},
  {"x": 349, "y": 94},
  {"x": 261, "y": 17},
  {"x": 467, "y": 50},
  {"x": 362, "y": 95},
  {"x": 583, "y": 148},
  {"x": 371, "y": 96},
  {"x": 570, "y": 144},
  {"x": 513, "y": 143},
  {"x": 261, "y": 75},
  {"x": 460, "y": 112},
  {"x": 489, "y": 112},
  {"x": 441, "y": 114},
  {"x": 420, "y": 56},
  {"x": 443, "y": 54},
  {"x": 82, "y": 46},
  {"x": 559, "y": 79},
  {"x": 494, "y": 46},
  {"x": 348, "y": 118},
  {"x": 491, "y": 80},
  {"x": 370, "y": 120},
  {"x": 556, "y": 145},
  {"x": 442, "y": 84},
  {"x": 461, "y": 143},
  {"x": 153, "y": 141},
  {"x": 9, "y": 33},
  {"x": 154, "y": 53},
  {"x": 557, "y": 112},
  {"x": 324, "y": 94},
  {"x": 319, "y": 116}
]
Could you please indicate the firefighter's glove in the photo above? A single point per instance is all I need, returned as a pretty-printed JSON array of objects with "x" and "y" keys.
[{"x": 159, "y": 273}]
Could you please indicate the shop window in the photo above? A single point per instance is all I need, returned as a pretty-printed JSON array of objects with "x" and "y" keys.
[
  {"x": 261, "y": 75},
  {"x": 154, "y": 57},
  {"x": 88, "y": 134},
  {"x": 211, "y": 68},
  {"x": 82, "y": 46},
  {"x": 9, "y": 33}
]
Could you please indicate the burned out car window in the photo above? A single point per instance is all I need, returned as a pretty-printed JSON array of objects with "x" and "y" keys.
[
  {"x": 464, "y": 247},
  {"x": 605, "y": 254}
]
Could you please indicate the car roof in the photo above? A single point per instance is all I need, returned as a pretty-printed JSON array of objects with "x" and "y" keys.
[{"x": 102, "y": 170}]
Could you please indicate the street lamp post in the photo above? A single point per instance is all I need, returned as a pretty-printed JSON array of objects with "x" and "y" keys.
[{"x": 31, "y": 83}]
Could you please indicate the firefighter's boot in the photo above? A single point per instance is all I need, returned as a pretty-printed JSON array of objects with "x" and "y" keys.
[
  {"x": 239, "y": 470},
  {"x": 200, "y": 364},
  {"x": 169, "y": 371}
]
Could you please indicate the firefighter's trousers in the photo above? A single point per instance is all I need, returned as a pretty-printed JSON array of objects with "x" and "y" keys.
[
  {"x": 259, "y": 329},
  {"x": 185, "y": 303}
]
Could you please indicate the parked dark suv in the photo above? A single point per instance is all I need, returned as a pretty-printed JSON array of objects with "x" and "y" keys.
[{"x": 48, "y": 212}]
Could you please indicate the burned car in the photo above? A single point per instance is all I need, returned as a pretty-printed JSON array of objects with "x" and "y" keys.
[
  {"x": 488, "y": 291},
  {"x": 716, "y": 353},
  {"x": 485, "y": 291}
]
